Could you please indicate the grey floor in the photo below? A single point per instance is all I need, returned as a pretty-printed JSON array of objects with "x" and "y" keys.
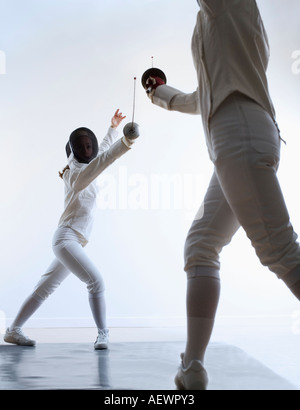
[{"x": 127, "y": 365}]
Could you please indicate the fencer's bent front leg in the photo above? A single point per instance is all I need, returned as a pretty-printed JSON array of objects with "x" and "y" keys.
[
  {"x": 246, "y": 149},
  {"x": 254, "y": 194}
]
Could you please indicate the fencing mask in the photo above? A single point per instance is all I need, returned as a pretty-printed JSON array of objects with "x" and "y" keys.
[{"x": 84, "y": 145}]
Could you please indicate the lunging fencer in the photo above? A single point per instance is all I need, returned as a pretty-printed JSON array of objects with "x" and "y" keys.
[
  {"x": 231, "y": 53},
  {"x": 86, "y": 161}
]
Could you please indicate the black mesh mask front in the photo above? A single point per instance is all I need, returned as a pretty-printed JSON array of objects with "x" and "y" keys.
[{"x": 84, "y": 145}]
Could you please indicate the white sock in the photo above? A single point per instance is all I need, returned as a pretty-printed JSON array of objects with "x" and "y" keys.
[
  {"x": 98, "y": 308},
  {"x": 202, "y": 301}
]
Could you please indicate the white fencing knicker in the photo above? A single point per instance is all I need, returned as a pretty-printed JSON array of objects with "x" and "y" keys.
[
  {"x": 70, "y": 258},
  {"x": 244, "y": 191}
]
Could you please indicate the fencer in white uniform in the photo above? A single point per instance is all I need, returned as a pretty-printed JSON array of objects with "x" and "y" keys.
[
  {"x": 86, "y": 162},
  {"x": 231, "y": 53}
]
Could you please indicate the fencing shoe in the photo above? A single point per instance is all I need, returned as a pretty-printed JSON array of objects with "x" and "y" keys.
[
  {"x": 194, "y": 377},
  {"x": 16, "y": 336},
  {"x": 102, "y": 339}
]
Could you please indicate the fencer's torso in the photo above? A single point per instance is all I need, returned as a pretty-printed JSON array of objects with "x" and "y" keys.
[
  {"x": 81, "y": 187},
  {"x": 79, "y": 205},
  {"x": 231, "y": 53}
]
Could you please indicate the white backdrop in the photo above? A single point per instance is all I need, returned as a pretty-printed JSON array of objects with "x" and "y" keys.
[{"x": 70, "y": 63}]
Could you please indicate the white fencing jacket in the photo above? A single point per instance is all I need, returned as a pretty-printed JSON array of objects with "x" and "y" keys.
[
  {"x": 80, "y": 184},
  {"x": 231, "y": 53}
]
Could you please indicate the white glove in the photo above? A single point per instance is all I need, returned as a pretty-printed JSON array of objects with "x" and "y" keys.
[{"x": 131, "y": 131}]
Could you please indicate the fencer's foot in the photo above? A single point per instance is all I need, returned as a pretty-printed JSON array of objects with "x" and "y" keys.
[
  {"x": 194, "y": 377},
  {"x": 16, "y": 337},
  {"x": 102, "y": 340}
]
